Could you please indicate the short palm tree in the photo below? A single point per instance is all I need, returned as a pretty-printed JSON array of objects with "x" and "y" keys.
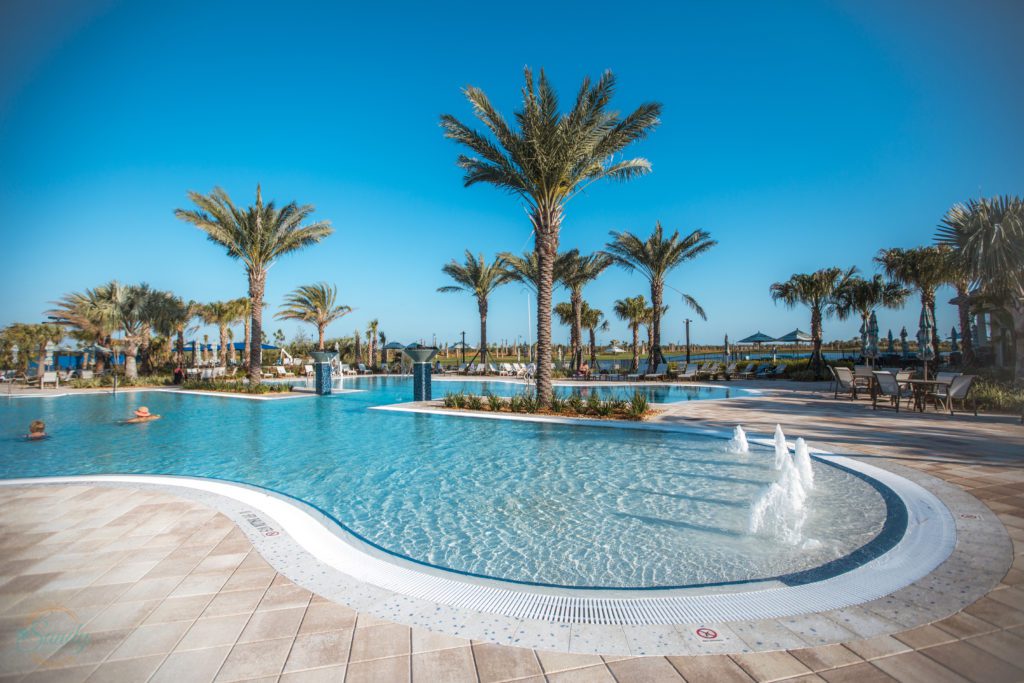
[
  {"x": 175, "y": 319},
  {"x": 371, "y": 340},
  {"x": 921, "y": 269},
  {"x": 545, "y": 161},
  {"x": 223, "y": 314},
  {"x": 90, "y": 316},
  {"x": 655, "y": 258},
  {"x": 579, "y": 271},
  {"x": 987, "y": 236},
  {"x": 633, "y": 310},
  {"x": 315, "y": 304},
  {"x": 818, "y": 291},
  {"x": 479, "y": 278},
  {"x": 593, "y": 320},
  {"x": 34, "y": 336},
  {"x": 860, "y": 296},
  {"x": 257, "y": 236}
]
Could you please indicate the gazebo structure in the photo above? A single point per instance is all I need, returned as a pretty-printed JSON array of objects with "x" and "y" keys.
[{"x": 757, "y": 339}]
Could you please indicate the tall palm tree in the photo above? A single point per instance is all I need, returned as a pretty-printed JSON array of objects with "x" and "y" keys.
[
  {"x": 175, "y": 319},
  {"x": 371, "y": 340},
  {"x": 315, "y": 304},
  {"x": 988, "y": 237},
  {"x": 819, "y": 291},
  {"x": 480, "y": 279},
  {"x": 257, "y": 236},
  {"x": 578, "y": 272},
  {"x": 223, "y": 314},
  {"x": 546, "y": 160},
  {"x": 90, "y": 315},
  {"x": 35, "y": 336},
  {"x": 922, "y": 269},
  {"x": 655, "y": 258},
  {"x": 526, "y": 269},
  {"x": 633, "y": 310},
  {"x": 861, "y": 296},
  {"x": 593, "y": 320}
]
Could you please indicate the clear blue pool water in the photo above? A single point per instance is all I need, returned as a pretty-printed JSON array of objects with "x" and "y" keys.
[{"x": 539, "y": 503}]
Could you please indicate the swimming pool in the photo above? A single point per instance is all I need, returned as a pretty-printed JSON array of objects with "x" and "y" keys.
[{"x": 556, "y": 505}]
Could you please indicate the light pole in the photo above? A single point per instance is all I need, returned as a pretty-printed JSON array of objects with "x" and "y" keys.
[
  {"x": 688, "y": 321},
  {"x": 463, "y": 347}
]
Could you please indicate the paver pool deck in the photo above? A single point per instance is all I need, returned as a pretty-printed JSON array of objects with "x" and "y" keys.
[{"x": 152, "y": 587}]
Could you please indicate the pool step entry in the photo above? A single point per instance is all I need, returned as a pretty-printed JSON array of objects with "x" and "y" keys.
[{"x": 420, "y": 357}]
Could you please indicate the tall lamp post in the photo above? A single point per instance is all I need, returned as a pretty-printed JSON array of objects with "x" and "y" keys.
[
  {"x": 463, "y": 347},
  {"x": 687, "y": 321}
]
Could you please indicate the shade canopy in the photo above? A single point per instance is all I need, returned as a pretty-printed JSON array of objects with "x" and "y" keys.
[
  {"x": 237, "y": 346},
  {"x": 757, "y": 338},
  {"x": 796, "y": 335},
  {"x": 615, "y": 349},
  {"x": 394, "y": 346},
  {"x": 461, "y": 345}
]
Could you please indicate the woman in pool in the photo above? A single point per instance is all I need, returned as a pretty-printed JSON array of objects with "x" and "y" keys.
[
  {"x": 36, "y": 430},
  {"x": 142, "y": 415}
]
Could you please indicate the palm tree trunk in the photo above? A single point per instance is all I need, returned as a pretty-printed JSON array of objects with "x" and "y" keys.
[
  {"x": 224, "y": 346},
  {"x": 41, "y": 362},
  {"x": 100, "y": 362},
  {"x": 257, "y": 283},
  {"x": 928, "y": 299},
  {"x": 180, "y": 354},
  {"x": 131, "y": 370},
  {"x": 144, "y": 343},
  {"x": 964, "y": 311},
  {"x": 1016, "y": 311},
  {"x": 636, "y": 347},
  {"x": 657, "y": 290},
  {"x": 246, "y": 343},
  {"x": 576, "y": 330},
  {"x": 816, "y": 360},
  {"x": 320, "y": 337},
  {"x": 546, "y": 245},
  {"x": 482, "y": 306},
  {"x": 593, "y": 347}
]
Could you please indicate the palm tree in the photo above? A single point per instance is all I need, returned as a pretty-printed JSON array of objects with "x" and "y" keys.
[
  {"x": 175, "y": 319},
  {"x": 257, "y": 236},
  {"x": 578, "y": 272},
  {"x": 315, "y": 304},
  {"x": 526, "y": 269},
  {"x": 922, "y": 269},
  {"x": 987, "y": 236},
  {"x": 223, "y": 314},
  {"x": 37, "y": 336},
  {"x": 547, "y": 160},
  {"x": 655, "y": 258},
  {"x": 861, "y": 296},
  {"x": 371, "y": 340},
  {"x": 480, "y": 279},
  {"x": 593, "y": 320},
  {"x": 89, "y": 314},
  {"x": 819, "y": 291},
  {"x": 633, "y": 310}
]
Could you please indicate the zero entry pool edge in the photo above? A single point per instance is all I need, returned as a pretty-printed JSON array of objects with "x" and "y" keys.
[{"x": 929, "y": 539}]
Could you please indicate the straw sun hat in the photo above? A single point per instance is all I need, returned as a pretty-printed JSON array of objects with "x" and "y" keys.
[{"x": 142, "y": 412}]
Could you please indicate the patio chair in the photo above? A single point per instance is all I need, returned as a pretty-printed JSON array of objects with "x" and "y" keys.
[
  {"x": 957, "y": 390},
  {"x": 748, "y": 372},
  {"x": 659, "y": 372},
  {"x": 764, "y": 371},
  {"x": 363, "y": 370},
  {"x": 85, "y": 374},
  {"x": 281, "y": 372},
  {"x": 778, "y": 371},
  {"x": 889, "y": 387},
  {"x": 709, "y": 371},
  {"x": 845, "y": 381},
  {"x": 862, "y": 375},
  {"x": 49, "y": 377},
  {"x": 308, "y": 369},
  {"x": 492, "y": 370},
  {"x": 730, "y": 370}
]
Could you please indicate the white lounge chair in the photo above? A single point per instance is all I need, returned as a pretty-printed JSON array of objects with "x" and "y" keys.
[
  {"x": 747, "y": 372},
  {"x": 957, "y": 390},
  {"x": 887, "y": 386},
  {"x": 49, "y": 377},
  {"x": 690, "y": 372},
  {"x": 363, "y": 370},
  {"x": 308, "y": 370},
  {"x": 658, "y": 373},
  {"x": 281, "y": 372},
  {"x": 844, "y": 381}
]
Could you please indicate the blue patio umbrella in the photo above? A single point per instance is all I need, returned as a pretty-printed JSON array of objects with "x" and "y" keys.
[
  {"x": 925, "y": 349},
  {"x": 872, "y": 346},
  {"x": 892, "y": 343},
  {"x": 954, "y": 347},
  {"x": 904, "y": 344}
]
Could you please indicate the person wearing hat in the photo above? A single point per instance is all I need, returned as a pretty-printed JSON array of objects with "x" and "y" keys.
[{"x": 142, "y": 415}]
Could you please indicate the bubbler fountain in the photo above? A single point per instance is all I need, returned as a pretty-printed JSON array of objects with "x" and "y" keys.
[{"x": 420, "y": 357}]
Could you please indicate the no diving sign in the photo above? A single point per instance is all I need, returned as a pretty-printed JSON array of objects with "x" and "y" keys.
[{"x": 706, "y": 634}]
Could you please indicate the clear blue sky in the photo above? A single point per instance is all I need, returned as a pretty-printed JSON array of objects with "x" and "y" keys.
[{"x": 800, "y": 134}]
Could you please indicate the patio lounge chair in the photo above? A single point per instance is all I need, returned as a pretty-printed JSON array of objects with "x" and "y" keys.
[
  {"x": 957, "y": 390},
  {"x": 49, "y": 377},
  {"x": 889, "y": 387},
  {"x": 658, "y": 373},
  {"x": 730, "y": 370},
  {"x": 308, "y": 369},
  {"x": 862, "y": 375},
  {"x": 689, "y": 373},
  {"x": 763, "y": 372},
  {"x": 748, "y": 372},
  {"x": 363, "y": 370},
  {"x": 281, "y": 372},
  {"x": 709, "y": 371},
  {"x": 776, "y": 372},
  {"x": 845, "y": 382}
]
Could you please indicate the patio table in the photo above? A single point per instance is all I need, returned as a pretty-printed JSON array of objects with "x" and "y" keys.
[{"x": 921, "y": 389}]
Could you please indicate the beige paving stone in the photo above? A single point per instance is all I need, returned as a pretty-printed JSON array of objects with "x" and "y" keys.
[
  {"x": 914, "y": 667},
  {"x": 249, "y": 579},
  {"x": 191, "y": 665},
  {"x": 235, "y": 602},
  {"x": 278, "y": 623},
  {"x": 314, "y": 650},
  {"x": 497, "y": 662},
  {"x": 91, "y": 650},
  {"x": 963, "y": 625},
  {"x": 151, "y": 589},
  {"x": 826, "y": 657},
  {"x": 595, "y": 674},
  {"x": 857, "y": 673},
  {"x": 328, "y": 674},
  {"x": 973, "y": 663},
  {"x": 450, "y": 664},
  {"x": 151, "y": 639},
  {"x": 71, "y": 674},
  {"x": 770, "y": 665},
  {"x": 139, "y": 669},
  {"x": 328, "y": 616},
  {"x": 280, "y": 597},
  {"x": 924, "y": 636},
  {"x": 390, "y": 669},
  {"x": 179, "y": 609},
  {"x": 879, "y": 646},
  {"x": 653, "y": 669},
  {"x": 213, "y": 631},
  {"x": 560, "y": 661},
  {"x": 386, "y": 640},
  {"x": 201, "y": 584},
  {"x": 710, "y": 668},
  {"x": 121, "y": 615},
  {"x": 253, "y": 660},
  {"x": 995, "y": 613}
]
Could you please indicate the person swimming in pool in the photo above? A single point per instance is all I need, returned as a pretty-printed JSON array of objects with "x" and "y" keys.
[
  {"x": 36, "y": 430},
  {"x": 142, "y": 415}
]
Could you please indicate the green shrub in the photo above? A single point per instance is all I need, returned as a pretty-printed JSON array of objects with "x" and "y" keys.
[
  {"x": 557, "y": 404},
  {"x": 454, "y": 400},
  {"x": 494, "y": 402},
  {"x": 638, "y": 406},
  {"x": 236, "y": 386},
  {"x": 515, "y": 404},
  {"x": 575, "y": 403},
  {"x": 593, "y": 404},
  {"x": 531, "y": 404},
  {"x": 604, "y": 408},
  {"x": 474, "y": 402},
  {"x": 997, "y": 396}
]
